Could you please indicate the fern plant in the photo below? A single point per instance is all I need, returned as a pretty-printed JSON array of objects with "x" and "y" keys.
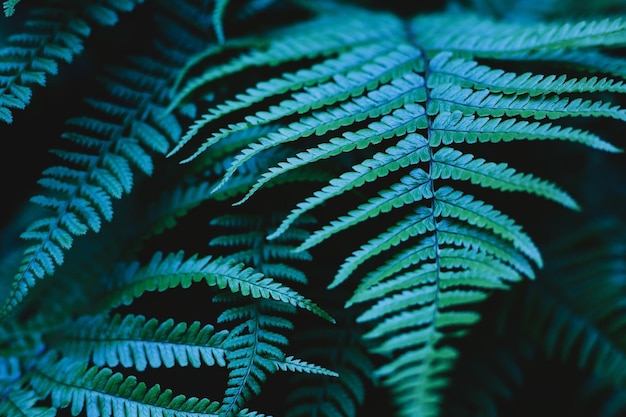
[{"x": 310, "y": 203}]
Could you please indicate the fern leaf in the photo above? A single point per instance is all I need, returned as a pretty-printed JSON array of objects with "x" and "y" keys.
[
  {"x": 490, "y": 38},
  {"x": 449, "y": 97},
  {"x": 455, "y": 127},
  {"x": 413, "y": 225},
  {"x": 297, "y": 365},
  {"x": 450, "y": 163},
  {"x": 451, "y": 249},
  {"x": 405, "y": 152},
  {"x": 174, "y": 270},
  {"x": 313, "y": 38},
  {"x": 447, "y": 69},
  {"x": 412, "y": 188},
  {"x": 254, "y": 351},
  {"x": 256, "y": 342},
  {"x": 117, "y": 137},
  {"x": 9, "y": 7},
  {"x": 52, "y": 34},
  {"x": 100, "y": 392},
  {"x": 372, "y": 105},
  {"x": 134, "y": 341},
  {"x": 23, "y": 403},
  {"x": 453, "y": 203}
]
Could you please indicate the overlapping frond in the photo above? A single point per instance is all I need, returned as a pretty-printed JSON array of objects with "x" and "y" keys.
[
  {"x": 53, "y": 32},
  {"x": 177, "y": 270},
  {"x": 248, "y": 244},
  {"x": 118, "y": 136},
  {"x": 102, "y": 392},
  {"x": 255, "y": 347},
  {"x": 343, "y": 348},
  {"x": 134, "y": 341},
  {"x": 425, "y": 100},
  {"x": 256, "y": 344},
  {"x": 472, "y": 34},
  {"x": 23, "y": 402}
]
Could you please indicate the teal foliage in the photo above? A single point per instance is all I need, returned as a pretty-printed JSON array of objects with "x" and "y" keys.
[{"x": 331, "y": 208}]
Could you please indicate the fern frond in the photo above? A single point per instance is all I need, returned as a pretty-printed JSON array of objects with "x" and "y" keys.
[
  {"x": 455, "y": 127},
  {"x": 23, "y": 403},
  {"x": 407, "y": 151},
  {"x": 173, "y": 270},
  {"x": 373, "y": 105},
  {"x": 116, "y": 137},
  {"x": 288, "y": 82},
  {"x": 9, "y": 7},
  {"x": 297, "y": 365},
  {"x": 256, "y": 343},
  {"x": 482, "y": 37},
  {"x": 450, "y": 163},
  {"x": 254, "y": 351},
  {"x": 450, "y": 97},
  {"x": 52, "y": 33},
  {"x": 445, "y": 68},
  {"x": 423, "y": 275},
  {"x": 134, "y": 341},
  {"x": 453, "y": 203},
  {"x": 79, "y": 201},
  {"x": 312, "y": 39},
  {"x": 100, "y": 392}
]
